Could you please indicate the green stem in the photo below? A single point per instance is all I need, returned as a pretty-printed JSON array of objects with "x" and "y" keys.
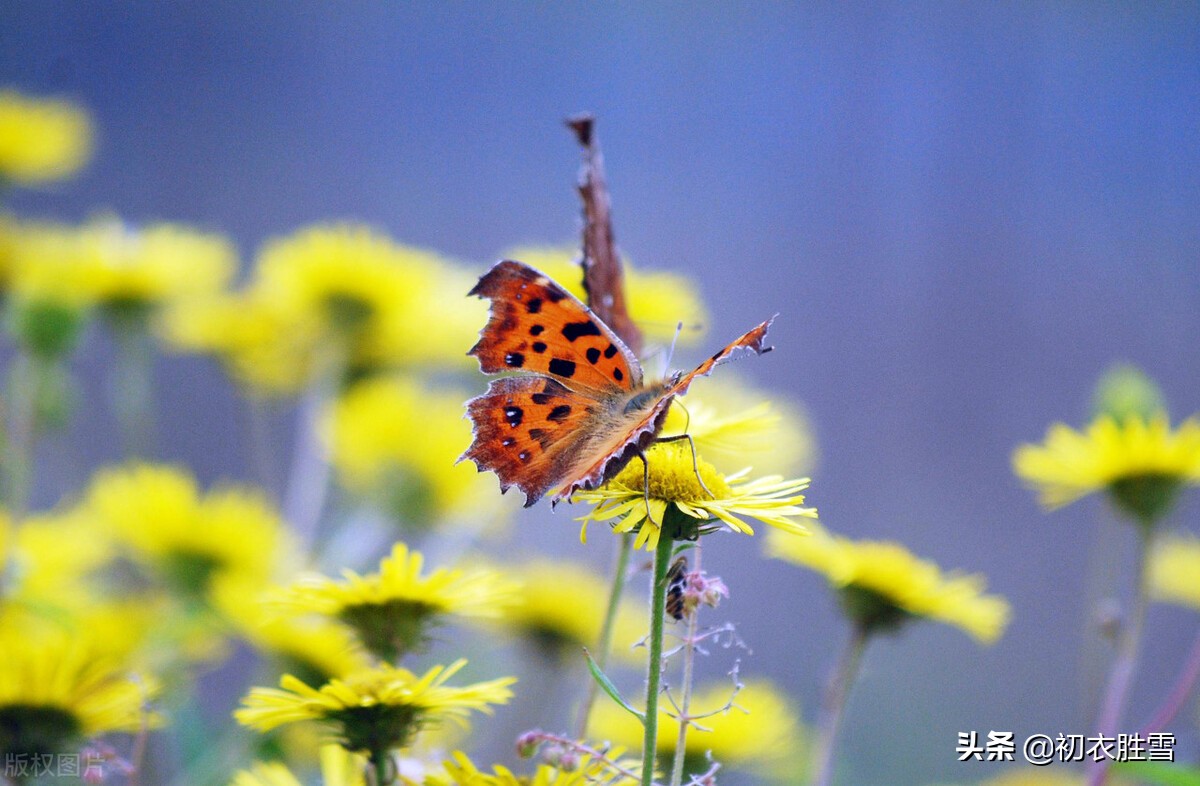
[
  {"x": 1120, "y": 677},
  {"x": 132, "y": 388},
  {"x": 658, "y": 600},
  {"x": 685, "y": 700},
  {"x": 379, "y": 760},
  {"x": 22, "y": 416},
  {"x": 844, "y": 674},
  {"x": 604, "y": 645}
]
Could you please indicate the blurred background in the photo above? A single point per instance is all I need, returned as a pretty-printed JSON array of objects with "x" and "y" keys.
[{"x": 964, "y": 213}]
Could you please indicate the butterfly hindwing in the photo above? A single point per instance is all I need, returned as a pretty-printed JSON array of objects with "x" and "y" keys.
[
  {"x": 526, "y": 429},
  {"x": 537, "y": 326}
]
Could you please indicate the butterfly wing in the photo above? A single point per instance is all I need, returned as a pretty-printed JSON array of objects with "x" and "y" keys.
[
  {"x": 526, "y": 431},
  {"x": 537, "y": 326},
  {"x": 625, "y": 435}
]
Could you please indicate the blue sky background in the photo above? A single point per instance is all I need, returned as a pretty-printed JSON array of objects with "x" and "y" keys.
[{"x": 963, "y": 211}]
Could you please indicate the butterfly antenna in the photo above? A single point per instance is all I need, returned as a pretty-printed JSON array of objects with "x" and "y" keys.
[
  {"x": 646, "y": 489},
  {"x": 671, "y": 352}
]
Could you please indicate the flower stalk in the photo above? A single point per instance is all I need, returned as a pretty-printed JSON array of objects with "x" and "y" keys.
[
  {"x": 1184, "y": 684},
  {"x": 1120, "y": 677},
  {"x": 834, "y": 707},
  {"x": 658, "y": 599},
  {"x": 685, "y": 699}
]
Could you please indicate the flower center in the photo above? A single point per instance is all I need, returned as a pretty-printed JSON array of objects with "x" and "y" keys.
[
  {"x": 380, "y": 727},
  {"x": 190, "y": 572},
  {"x": 1146, "y": 497},
  {"x": 673, "y": 476},
  {"x": 30, "y": 729},
  {"x": 870, "y": 609},
  {"x": 391, "y": 629}
]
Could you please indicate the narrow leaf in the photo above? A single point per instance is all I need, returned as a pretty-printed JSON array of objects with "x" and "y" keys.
[{"x": 606, "y": 685}]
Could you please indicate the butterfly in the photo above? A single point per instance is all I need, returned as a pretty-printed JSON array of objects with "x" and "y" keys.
[{"x": 578, "y": 409}]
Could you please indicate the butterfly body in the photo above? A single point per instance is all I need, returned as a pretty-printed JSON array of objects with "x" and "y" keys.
[{"x": 578, "y": 411}]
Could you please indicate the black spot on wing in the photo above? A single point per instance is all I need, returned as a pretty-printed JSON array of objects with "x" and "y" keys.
[
  {"x": 562, "y": 368},
  {"x": 514, "y": 415},
  {"x": 617, "y": 375},
  {"x": 514, "y": 359},
  {"x": 524, "y": 455},
  {"x": 612, "y": 350},
  {"x": 539, "y": 347},
  {"x": 534, "y": 306},
  {"x": 559, "y": 413},
  {"x": 593, "y": 355},
  {"x": 536, "y": 433},
  {"x": 541, "y": 398},
  {"x": 555, "y": 293},
  {"x": 536, "y": 330},
  {"x": 573, "y": 330}
]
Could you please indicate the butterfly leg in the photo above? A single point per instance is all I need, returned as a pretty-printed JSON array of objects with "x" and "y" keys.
[
  {"x": 695, "y": 461},
  {"x": 646, "y": 488}
]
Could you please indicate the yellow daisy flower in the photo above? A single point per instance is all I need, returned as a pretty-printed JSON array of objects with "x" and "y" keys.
[
  {"x": 1141, "y": 463},
  {"x": 312, "y": 648},
  {"x": 675, "y": 489},
  {"x": 562, "y": 607},
  {"x": 260, "y": 344},
  {"x": 461, "y": 771},
  {"x": 190, "y": 541},
  {"x": 371, "y": 431},
  {"x": 1174, "y": 570},
  {"x": 41, "y": 139},
  {"x": 657, "y": 301},
  {"x": 57, "y": 689},
  {"x": 760, "y": 733},
  {"x": 735, "y": 426},
  {"x": 882, "y": 584},
  {"x": 339, "y": 767},
  {"x": 338, "y": 298},
  {"x": 380, "y": 296},
  {"x": 374, "y": 710},
  {"x": 47, "y": 309},
  {"x": 126, "y": 268},
  {"x": 393, "y": 609}
]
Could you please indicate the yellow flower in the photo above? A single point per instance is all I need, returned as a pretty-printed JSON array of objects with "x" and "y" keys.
[
  {"x": 41, "y": 139},
  {"x": 735, "y": 426},
  {"x": 1141, "y": 463},
  {"x": 461, "y": 771},
  {"x": 400, "y": 439},
  {"x": 1175, "y": 570},
  {"x": 261, "y": 345},
  {"x": 331, "y": 299},
  {"x": 392, "y": 610},
  {"x": 58, "y": 688},
  {"x": 657, "y": 301},
  {"x": 191, "y": 542},
  {"x": 339, "y": 767},
  {"x": 373, "y": 710},
  {"x": 675, "y": 489},
  {"x": 760, "y": 733},
  {"x": 392, "y": 303},
  {"x": 882, "y": 584},
  {"x": 562, "y": 608},
  {"x": 122, "y": 266},
  {"x": 313, "y": 648}
]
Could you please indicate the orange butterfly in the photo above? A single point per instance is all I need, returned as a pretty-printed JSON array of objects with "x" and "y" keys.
[{"x": 581, "y": 412}]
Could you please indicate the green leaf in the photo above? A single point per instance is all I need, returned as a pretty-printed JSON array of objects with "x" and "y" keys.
[
  {"x": 1159, "y": 773},
  {"x": 606, "y": 684}
]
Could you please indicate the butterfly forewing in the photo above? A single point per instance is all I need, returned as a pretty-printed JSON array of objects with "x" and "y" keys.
[{"x": 537, "y": 326}]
